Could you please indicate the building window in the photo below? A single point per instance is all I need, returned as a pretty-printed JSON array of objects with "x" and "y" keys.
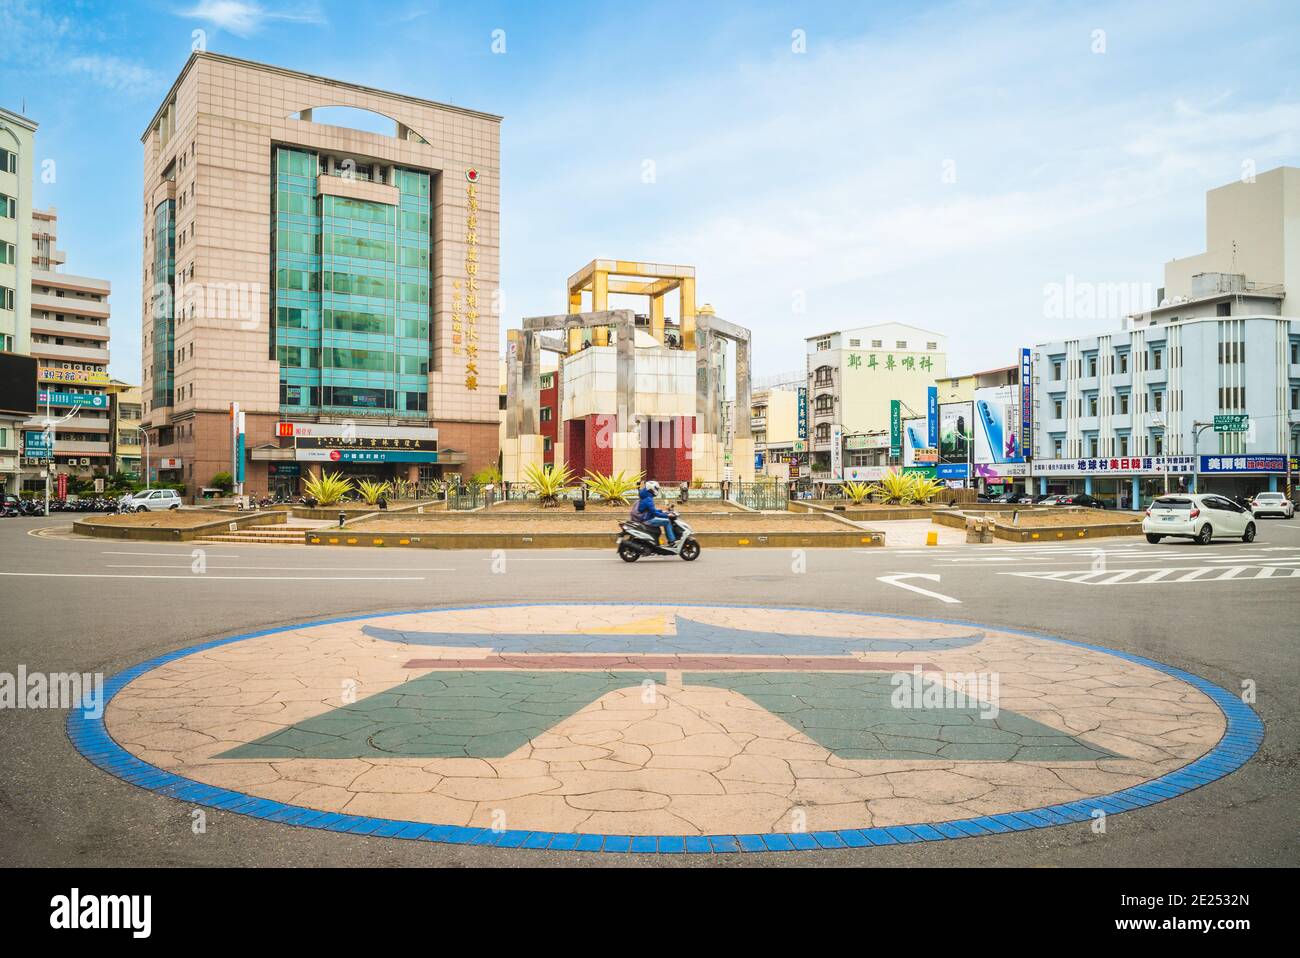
[
  {"x": 1295, "y": 353},
  {"x": 1092, "y": 447},
  {"x": 1058, "y": 448},
  {"x": 1123, "y": 404},
  {"x": 855, "y": 342},
  {"x": 8, "y": 207},
  {"x": 546, "y": 414},
  {"x": 1157, "y": 359},
  {"x": 8, "y": 162},
  {"x": 1295, "y": 397},
  {"x": 6, "y": 254},
  {"x": 900, "y": 344},
  {"x": 824, "y": 344},
  {"x": 1123, "y": 445},
  {"x": 931, "y": 345},
  {"x": 825, "y": 404},
  {"x": 1056, "y": 370},
  {"x": 1158, "y": 443},
  {"x": 822, "y": 377},
  {"x": 1092, "y": 365},
  {"x": 6, "y": 298},
  {"x": 1058, "y": 410},
  {"x": 1092, "y": 404},
  {"x": 823, "y": 432},
  {"x": 877, "y": 344},
  {"x": 1123, "y": 362}
]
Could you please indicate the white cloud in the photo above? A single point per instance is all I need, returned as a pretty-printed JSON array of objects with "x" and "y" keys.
[
  {"x": 244, "y": 19},
  {"x": 116, "y": 74}
]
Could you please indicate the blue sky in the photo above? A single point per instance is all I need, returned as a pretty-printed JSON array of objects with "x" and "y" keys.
[{"x": 936, "y": 164}]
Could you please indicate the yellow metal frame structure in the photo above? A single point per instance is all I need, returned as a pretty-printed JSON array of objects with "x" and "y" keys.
[{"x": 601, "y": 277}]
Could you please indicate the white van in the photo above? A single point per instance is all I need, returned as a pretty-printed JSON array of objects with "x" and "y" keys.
[{"x": 153, "y": 500}]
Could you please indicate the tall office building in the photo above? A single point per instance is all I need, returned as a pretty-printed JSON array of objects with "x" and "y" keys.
[{"x": 338, "y": 283}]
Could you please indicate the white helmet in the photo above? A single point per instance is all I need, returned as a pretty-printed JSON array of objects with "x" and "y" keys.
[{"x": 653, "y": 487}]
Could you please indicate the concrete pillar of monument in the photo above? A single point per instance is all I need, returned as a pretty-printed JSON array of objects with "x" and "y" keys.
[
  {"x": 657, "y": 318},
  {"x": 688, "y": 312}
]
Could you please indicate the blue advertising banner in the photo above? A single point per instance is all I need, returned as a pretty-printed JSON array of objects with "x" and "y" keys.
[
  {"x": 1266, "y": 463},
  {"x": 952, "y": 470},
  {"x": 932, "y": 415},
  {"x": 1026, "y": 404}
]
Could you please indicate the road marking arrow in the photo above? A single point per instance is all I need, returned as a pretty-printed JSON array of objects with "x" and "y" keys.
[{"x": 896, "y": 580}]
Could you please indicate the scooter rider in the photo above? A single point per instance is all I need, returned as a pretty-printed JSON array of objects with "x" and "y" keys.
[{"x": 646, "y": 512}]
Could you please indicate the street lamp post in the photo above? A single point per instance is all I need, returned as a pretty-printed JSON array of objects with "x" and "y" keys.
[{"x": 1159, "y": 423}]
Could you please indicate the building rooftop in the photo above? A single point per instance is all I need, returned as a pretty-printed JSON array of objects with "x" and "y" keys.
[{"x": 284, "y": 71}]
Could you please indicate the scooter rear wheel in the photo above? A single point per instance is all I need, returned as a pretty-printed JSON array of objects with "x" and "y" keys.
[{"x": 628, "y": 553}]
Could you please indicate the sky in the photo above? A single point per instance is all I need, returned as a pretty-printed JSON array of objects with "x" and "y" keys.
[{"x": 946, "y": 165}]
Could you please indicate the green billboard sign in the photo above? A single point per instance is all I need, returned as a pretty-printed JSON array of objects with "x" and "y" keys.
[
  {"x": 1232, "y": 423},
  {"x": 895, "y": 428}
]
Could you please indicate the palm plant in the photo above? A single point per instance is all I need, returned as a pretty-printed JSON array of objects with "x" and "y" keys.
[
  {"x": 371, "y": 491},
  {"x": 401, "y": 489},
  {"x": 856, "y": 492},
  {"x": 924, "y": 488},
  {"x": 613, "y": 489},
  {"x": 896, "y": 487},
  {"x": 327, "y": 488},
  {"x": 549, "y": 481}
]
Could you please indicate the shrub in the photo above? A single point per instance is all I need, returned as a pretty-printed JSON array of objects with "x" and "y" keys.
[
  {"x": 327, "y": 488},
  {"x": 549, "y": 482},
  {"x": 613, "y": 490},
  {"x": 223, "y": 481}
]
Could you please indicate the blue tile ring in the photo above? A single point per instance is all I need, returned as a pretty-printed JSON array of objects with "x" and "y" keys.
[{"x": 1241, "y": 739}]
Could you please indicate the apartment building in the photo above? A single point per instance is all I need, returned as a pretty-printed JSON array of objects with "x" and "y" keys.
[
  {"x": 854, "y": 374},
  {"x": 1122, "y": 414},
  {"x": 70, "y": 340}
]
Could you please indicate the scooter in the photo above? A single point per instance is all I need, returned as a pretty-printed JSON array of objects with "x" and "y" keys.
[{"x": 639, "y": 539}]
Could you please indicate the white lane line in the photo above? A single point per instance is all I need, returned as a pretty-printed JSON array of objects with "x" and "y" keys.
[
  {"x": 1231, "y": 573},
  {"x": 221, "y": 578},
  {"x": 1154, "y": 576},
  {"x": 896, "y": 580},
  {"x": 269, "y": 568},
  {"x": 173, "y": 555}
]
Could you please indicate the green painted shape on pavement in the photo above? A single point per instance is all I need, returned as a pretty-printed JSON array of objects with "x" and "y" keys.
[{"x": 463, "y": 714}]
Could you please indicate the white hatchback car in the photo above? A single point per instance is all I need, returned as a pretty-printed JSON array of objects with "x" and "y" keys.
[
  {"x": 1273, "y": 504},
  {"x": 153, "y": 500},
  {"x": 1202, "y": 518}
]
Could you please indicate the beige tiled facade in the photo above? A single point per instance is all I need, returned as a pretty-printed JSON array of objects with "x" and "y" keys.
[{"x": 209, "y": 148}]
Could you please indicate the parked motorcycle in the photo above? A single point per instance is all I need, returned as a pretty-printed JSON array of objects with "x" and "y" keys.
[{"x": 639, "y": 539}]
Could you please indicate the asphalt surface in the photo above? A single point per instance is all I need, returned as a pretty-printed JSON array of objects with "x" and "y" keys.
[{"x": 72, "y": 604}]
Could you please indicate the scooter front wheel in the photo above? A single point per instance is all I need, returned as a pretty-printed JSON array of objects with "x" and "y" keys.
[
  {"x": 690, "y": 550},
  {"x": 629, "y": 553}
]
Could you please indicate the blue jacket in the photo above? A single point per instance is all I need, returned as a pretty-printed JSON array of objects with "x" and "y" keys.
[{"x": 645, "y": 510}]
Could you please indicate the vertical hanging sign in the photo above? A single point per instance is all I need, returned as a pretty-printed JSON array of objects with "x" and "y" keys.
[
  {"x": 932, "y": 416},
  {"x": 895, "y": 429},
  {"x": 471, "y": 281}
]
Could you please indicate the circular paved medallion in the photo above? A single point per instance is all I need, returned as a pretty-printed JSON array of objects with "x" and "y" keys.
[{"x": 670, "y": 728}]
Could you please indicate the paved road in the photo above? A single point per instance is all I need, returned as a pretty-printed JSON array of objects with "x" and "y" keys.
[{"x": 89, "y": 605}]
